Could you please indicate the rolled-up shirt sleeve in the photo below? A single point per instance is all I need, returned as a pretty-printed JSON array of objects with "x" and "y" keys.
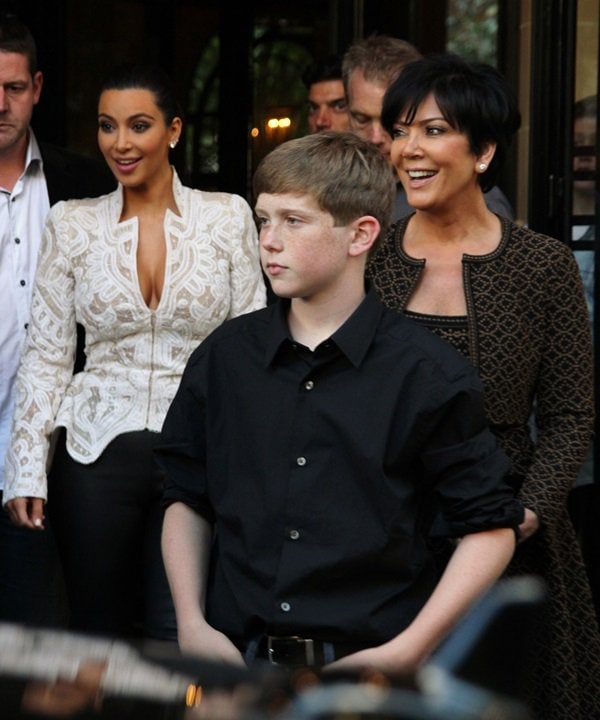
[
  {"x": 181, "y": 452},
  {"x": 468, "y": 469}
]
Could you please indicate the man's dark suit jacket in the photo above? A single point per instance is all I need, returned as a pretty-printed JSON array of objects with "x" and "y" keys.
[
  {"x": 69, "y": 175},
  {"x": 72, "y": 176}
]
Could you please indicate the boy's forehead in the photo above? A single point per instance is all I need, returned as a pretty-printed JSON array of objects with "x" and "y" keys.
[{"x": 276, "y": 202}]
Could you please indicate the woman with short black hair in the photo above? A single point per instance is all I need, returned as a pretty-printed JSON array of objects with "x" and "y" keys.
[{"x": 512, "y": 301}]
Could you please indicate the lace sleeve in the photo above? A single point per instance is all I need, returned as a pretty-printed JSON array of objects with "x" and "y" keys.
[
  {"x": 46, "y": 365},
  {"x": 248, "y": 290}
]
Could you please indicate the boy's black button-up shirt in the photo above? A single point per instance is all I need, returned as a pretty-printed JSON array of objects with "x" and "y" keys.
[{"x": 319, "y": 471}]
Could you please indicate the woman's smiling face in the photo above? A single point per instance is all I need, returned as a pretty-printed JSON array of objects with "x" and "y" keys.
[
  {"x": 134, "y": 137},
  {"x": 434, "y": 160}
]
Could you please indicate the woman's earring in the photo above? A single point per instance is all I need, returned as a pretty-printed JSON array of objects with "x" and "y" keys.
[
  {"x": 173, "y": 144},
  {"x": 482, "y": 166}
]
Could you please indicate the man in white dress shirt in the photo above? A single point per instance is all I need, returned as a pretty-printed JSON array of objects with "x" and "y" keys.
[{"x": 33, "y": 176}]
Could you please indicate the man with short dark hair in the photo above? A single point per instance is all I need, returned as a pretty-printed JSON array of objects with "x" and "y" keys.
[
  {"x": 33, "y": 176},
  {"x": 327, "y": 105}
]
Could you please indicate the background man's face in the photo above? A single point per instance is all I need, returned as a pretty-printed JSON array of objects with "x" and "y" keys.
[
  {"x": 327, "y": 107},
  {"x": 19, "y": 93},
  {"x": 365, "y": 100}
]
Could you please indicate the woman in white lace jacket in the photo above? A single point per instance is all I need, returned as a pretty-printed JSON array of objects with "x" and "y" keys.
[{"x": 149, "y": 271}]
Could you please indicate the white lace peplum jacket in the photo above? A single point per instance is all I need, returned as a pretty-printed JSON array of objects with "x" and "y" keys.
[{"x": 135, "y": 356}]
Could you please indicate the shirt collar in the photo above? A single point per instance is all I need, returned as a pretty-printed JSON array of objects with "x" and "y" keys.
[
  {"x": 353, "y": 338},
  {"x": 356, "y": 335},
  {"x": 33, "y": 156},
  {"x": 277, "y": 330},
  {"x": 116, "y": 198}
]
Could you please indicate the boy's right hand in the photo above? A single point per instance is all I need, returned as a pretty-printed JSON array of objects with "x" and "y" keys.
[{"x": 203, "y": 640}]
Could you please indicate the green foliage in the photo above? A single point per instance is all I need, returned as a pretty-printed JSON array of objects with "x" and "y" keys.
[{"x": 472, "y": 29}]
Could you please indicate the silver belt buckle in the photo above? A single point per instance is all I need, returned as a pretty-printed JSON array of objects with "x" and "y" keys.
[{"x": 308, "y": 644}]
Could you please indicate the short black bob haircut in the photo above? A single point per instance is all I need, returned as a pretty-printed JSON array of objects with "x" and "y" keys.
[{"x": 473, "y": 97}]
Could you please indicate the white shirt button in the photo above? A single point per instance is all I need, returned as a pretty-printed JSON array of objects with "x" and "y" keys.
[
  {"x": 301, "y": 461},
  {"x": 309, "y": 385},
  {"x": 294, "y": 534},
  {"x": 285, "y": 606}
]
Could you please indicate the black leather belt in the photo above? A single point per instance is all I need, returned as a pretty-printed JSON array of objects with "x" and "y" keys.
[{"x": 294, "y": 651}]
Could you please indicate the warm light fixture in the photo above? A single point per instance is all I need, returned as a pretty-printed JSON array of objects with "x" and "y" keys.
[{"x": 283, "y": 122}]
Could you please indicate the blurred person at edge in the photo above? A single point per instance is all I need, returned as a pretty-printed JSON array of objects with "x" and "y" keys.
[
  {"x": 584, "y": 141},
  {"x": 150, "y": 270},
  {"x": 512, "y": 301},
  {"x": 584, "y": 224},
  {"x": 584, "y": 192},
  {"x": 369, "y": 66}
]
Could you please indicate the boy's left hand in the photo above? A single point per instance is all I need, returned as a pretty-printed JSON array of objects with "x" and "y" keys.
[
  {"x": 529, "y": 526},
  {"x": 391, "y": 658}
]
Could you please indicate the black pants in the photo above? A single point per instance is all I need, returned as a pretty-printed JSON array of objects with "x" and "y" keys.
[
  {"x": 31, "y": 584},
  {"x": 107, "y": 518}
]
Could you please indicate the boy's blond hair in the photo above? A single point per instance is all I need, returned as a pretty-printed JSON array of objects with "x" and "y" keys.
[{"x": 347, "y": 176}]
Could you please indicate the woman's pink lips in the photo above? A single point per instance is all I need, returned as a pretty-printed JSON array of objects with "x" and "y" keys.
[
  {"x": 419, "y": 181},
  {"x": 126, "y": 165}
]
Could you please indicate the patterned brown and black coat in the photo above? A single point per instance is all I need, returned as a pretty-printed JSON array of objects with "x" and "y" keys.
[{"x": 528, "y": 334}]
